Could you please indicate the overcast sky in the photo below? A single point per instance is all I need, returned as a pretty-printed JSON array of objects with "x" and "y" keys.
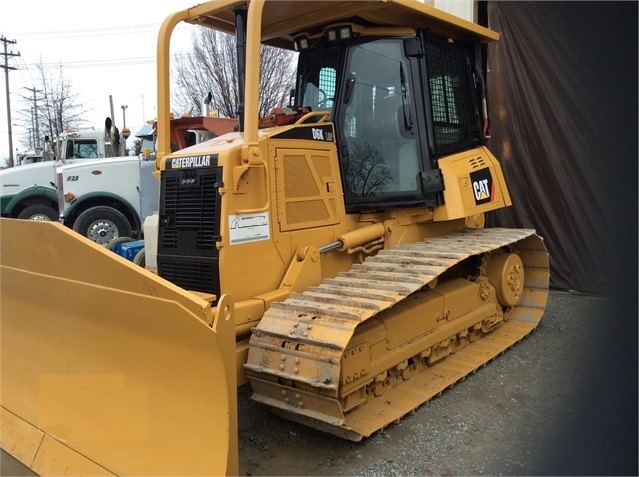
[{"x": 105, "y": 48}]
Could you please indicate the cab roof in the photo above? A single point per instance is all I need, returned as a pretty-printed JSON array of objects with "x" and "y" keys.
[{"x": 282, "y": 20}]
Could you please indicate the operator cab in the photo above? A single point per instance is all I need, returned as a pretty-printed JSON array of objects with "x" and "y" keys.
[{"x": 399, "y": 99}]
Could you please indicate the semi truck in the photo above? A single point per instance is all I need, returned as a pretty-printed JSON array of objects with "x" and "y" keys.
[
  {"x": 30, "y": 192},
  {"x": 335, "y": 262},
  {"x": 31, "y": 156}
]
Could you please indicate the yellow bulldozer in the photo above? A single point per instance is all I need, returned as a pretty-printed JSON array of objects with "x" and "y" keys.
[{"x": 337, "y": 260}]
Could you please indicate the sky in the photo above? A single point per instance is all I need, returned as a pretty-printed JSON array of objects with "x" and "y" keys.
[{"x": 105, "y": 48}]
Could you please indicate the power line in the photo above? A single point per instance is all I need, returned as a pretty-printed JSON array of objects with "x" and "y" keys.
[
  {"x": 94, "y": 63},
  {"x": 88, "y": 32},
  {"x": 93, "y": 32},
  {"x": 22, "y": 69},
  {"x": 98, "y": 63}
]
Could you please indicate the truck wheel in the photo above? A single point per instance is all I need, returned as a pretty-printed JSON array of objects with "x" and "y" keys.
[
  {"x": 39, "y": 212},
  {"x": 102, "y": 224}
]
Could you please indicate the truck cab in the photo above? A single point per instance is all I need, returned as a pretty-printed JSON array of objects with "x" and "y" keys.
[
  {"x": 30, "y": 157},
  {"x": 80, "y": 145},
  {"x": 30, "y": 192}
]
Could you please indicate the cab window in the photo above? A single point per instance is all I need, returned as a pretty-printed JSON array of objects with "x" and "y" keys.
[{"x": 378, "y": 122}]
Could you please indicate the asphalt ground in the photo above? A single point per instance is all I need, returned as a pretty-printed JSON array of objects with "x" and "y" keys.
[{"x": 561, "y": 402}]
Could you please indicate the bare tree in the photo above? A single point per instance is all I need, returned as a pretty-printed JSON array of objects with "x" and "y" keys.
[
  {"x": 58, "y": 107},
  {"x": 366, "y": 171},
  {"x": 211, "y": 66}
]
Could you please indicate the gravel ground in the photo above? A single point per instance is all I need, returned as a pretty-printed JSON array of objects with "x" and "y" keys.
[
  {"x": 548, "y": 406},
  {"x": 561, "y": 402}
]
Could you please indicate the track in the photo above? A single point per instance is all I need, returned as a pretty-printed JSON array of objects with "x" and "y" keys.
[{"x": 307, "y": 361}]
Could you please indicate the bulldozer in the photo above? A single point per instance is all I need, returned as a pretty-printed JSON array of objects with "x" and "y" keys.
[{"x": 336, "y": 260}]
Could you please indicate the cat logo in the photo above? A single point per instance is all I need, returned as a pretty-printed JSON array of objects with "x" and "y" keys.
[{"x": 482, "y": 186}]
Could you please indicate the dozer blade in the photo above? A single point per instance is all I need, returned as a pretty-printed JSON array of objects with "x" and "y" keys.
[{"x": 107, "y": 368}]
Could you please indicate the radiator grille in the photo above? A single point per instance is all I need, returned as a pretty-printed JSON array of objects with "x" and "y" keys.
[
  {"x": 190, "y": 210},
  {"x": 197, "y": 274},
  {"x": 189, "y": 228}
]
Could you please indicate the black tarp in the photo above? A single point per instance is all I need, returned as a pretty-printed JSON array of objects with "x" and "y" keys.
[
  {"x": 563, "y": 99},
  {"x": 562, "y": 89}
]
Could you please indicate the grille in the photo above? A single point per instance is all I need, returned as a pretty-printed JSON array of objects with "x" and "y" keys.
[
  {"x": 199, "y": 274},
  {"x": 189, "y": 214},
  {"x": 189, "y": 228},
  {"x": 476, "y": 162},
  {"x": 453, "y": 105}
]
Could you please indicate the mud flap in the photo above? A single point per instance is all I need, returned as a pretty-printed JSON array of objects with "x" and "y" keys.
[{"x": 107, "y": 368}]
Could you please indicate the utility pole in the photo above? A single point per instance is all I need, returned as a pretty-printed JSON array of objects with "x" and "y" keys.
[
  {"x": 124, "y": 106},
  {"x": 6, "y": 67},
  {"x": 34, "y": 115},
  {"x": 125, "y": 131}
]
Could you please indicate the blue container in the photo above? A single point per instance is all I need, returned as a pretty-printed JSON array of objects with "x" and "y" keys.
[{"x": 128, "y": 250}]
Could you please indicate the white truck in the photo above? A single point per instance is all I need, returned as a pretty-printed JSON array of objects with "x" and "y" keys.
[
  {"x": 29, "y": 191},
  {"x": 107, "y": 199},
  {"x": 31, "y": 157}
]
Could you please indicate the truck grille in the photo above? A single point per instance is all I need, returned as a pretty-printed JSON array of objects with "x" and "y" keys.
[{"x": 189, "y": 228}]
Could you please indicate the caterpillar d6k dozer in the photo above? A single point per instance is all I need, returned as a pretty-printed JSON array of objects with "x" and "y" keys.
[{"x": 336, "y": 259}]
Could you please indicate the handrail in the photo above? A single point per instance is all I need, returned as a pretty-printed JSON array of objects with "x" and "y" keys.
[{"x": 324, "y": 114}]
